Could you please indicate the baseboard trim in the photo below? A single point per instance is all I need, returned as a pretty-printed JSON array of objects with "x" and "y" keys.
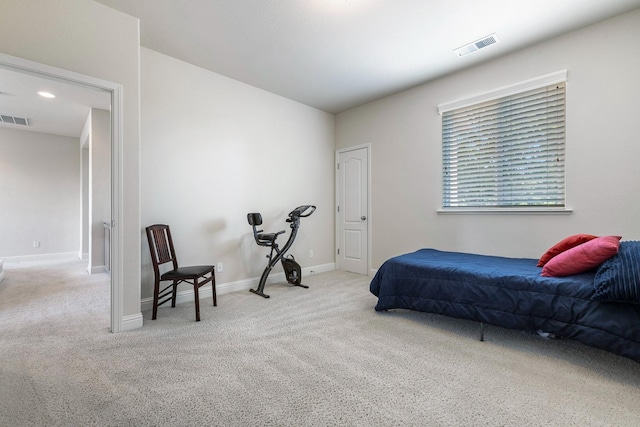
[
  {"x": 186, "y": 295},
  {"x": 96, "y": 269},
  {"x": 41, "y": 257},
  {"x": 131, "y": 322}
]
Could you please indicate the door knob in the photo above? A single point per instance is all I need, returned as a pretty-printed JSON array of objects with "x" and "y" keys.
[{"x": 363, "y": 217}]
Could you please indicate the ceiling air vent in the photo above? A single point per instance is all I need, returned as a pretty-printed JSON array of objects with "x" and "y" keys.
[
  {"x": 477, "y": 45},
  {"x": 14, "y": 120}
]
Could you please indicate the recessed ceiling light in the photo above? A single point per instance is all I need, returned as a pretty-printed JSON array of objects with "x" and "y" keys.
[{"x": 46, "y": 94}]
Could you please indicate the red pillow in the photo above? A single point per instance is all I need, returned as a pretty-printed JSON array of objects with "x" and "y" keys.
[
  {"x": 583, "y": 257},
  {"x": 563, "y": 245}
]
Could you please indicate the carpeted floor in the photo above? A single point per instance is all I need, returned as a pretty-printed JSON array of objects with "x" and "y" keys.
[{"x": 305, "y": 357}]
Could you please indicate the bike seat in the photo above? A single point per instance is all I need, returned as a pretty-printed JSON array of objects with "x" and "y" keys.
[
  {"x": 262, "y": 239},
  {"x": 268, "y": 237}
]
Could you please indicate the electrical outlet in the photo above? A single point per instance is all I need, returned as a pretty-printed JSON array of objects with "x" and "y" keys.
[
  {"x": 36, "y": 244},
  {"x": 310, "y": 253},
  {"x": 220, "y": 267}
]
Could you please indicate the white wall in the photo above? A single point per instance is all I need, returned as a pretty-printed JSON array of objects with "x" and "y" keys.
[
  {"x": 39, "y": 193},
  {"x": 85, "y": 37},
  {"x": 98, "y": 128},
  {"x": 213, "y": 150},
  {"x": 602, "y": 149}
]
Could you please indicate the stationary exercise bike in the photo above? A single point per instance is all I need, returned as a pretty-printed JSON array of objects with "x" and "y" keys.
[{"x": 291, "y": 268}]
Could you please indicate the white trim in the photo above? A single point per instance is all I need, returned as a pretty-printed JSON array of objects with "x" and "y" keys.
[
  {"x": 535, "y": 83},
  {"x": 369, "y": 210},
  {"x": 458, "y": 211},
  {"x": 131, "y": 322},
  {"x": 116, "y": 91},
  {"x": 41, "y": 257},
  {"x": 187, "y": 295},
  {"x": 116, "y": 237},
  {"x": 97, "y": 269}
]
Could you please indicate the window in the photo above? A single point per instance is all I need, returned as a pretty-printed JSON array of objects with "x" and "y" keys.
[{"x": 505, "y": 150}]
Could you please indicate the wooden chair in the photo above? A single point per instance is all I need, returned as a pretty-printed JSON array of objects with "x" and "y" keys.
[{"x": 161, "y": 248}]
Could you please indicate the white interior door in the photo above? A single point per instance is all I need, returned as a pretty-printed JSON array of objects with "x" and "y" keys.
[{"x": 352, "y": 210}]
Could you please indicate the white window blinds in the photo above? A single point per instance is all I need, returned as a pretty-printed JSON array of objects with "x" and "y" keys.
[{"x": 506, "y": 152}]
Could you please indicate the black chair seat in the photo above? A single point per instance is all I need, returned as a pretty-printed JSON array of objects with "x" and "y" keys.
[{"x": 190, "y": 272}]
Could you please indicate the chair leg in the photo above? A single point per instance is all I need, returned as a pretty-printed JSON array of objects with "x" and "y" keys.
[
  {"x": 197, "y": 298},
  {"x": 174, "y": 293},
  {"x": 213, "y": 289},
  {"x": 156, "y": 290}
]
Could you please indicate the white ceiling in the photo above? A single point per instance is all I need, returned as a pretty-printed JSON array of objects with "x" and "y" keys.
[
  {"x": 329, "y": 54},
  {"x": 63, "y": 115},
  {"x": 336, "y": 54}
]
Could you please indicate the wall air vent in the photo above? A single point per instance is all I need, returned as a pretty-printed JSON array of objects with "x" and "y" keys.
[
  {"x": 477, "y": 45},
  {"x": 14, "y": 120}
]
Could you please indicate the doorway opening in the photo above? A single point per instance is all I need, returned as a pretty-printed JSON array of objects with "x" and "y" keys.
[{"x": 114, "y": 90}]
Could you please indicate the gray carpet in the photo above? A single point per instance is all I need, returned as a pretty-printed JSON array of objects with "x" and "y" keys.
[{"x": 316, "y": 357}]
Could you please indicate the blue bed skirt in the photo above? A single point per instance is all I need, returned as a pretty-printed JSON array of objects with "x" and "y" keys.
[{"x": 507, "y": 292}]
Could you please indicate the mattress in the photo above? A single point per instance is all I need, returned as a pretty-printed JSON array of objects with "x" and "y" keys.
[{"x": 507, "y": 292}]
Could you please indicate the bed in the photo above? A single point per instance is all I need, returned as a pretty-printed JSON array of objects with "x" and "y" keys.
[{"x": 512, "y": 293}]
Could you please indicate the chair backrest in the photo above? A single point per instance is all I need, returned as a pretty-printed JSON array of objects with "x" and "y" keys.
[{"x": 161, "y": 246}]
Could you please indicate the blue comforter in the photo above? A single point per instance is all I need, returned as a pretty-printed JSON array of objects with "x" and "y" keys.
[{"x": 507, "y": 292}]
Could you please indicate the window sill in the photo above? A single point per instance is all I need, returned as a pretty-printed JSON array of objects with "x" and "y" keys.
[{"x": 507, "y": 211}]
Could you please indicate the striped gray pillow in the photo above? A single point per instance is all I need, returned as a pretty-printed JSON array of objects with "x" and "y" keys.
[{"x": 618, "y": 278}]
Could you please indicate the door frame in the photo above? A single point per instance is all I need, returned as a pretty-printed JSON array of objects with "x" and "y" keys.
[
  {"x": 366, "y": 146},
  {"x": 117, "y": 271}
]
